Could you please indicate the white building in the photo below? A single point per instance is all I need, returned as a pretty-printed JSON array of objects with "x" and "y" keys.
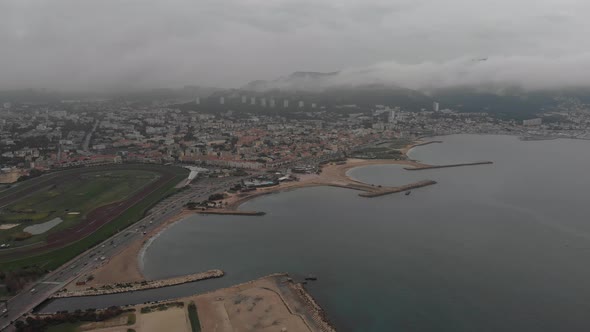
[
  {"x": 532, "y": 122},
  {"x": 198, "y": 100},
  {"x": 301, "y": 104},
  {"x": 391, "y": 116},
  {"x": 263, "y": 102},
  {"x": 435, "y": 106},
  {"x": 253, "y": 101},
  {"x": 285, "y": 103},
  {"x": 272, "y": 103},
  {"x": 244, "y": 99},
  {"x": 222, "y": 100}
]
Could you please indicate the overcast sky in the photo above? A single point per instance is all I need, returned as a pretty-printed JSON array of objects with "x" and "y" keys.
[{"x": 97, "y": 44}]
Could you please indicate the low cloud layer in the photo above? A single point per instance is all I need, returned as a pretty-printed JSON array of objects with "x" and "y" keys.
[
  {"x": 112, "y": 44},
  {"x": 527, "y": 72}
]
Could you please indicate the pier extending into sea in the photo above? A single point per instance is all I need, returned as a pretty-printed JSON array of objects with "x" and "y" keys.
[
  {"x": 139, "y": 285},
  {"x": 425, "y": 167},
  {"x": 393, "y": 190}
]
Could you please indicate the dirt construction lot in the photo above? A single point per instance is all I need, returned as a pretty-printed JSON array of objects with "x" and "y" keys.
[
  {"x": 264, "y": 305},
  {"x": 173, "y": 319}
]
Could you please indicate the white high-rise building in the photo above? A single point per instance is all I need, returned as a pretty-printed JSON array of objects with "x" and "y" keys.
[
  {"x": 313, "y": 105},
  {"x": 198, "y": 100},
  {"x": 301, "y": 104},
  {"x": 253, "y": 101},
  {"x": 222, "y": 100},
  {"x": 263, "y": 102},
  {"x": 244, "y": 99},
  {"x": 391, "y": 116},
  {"x": 285, "y": 103},
  {"x": 435, "y": 106},
  {"x": 272, "y": 103}
]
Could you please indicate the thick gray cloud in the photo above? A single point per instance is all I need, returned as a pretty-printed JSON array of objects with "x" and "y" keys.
[{"x": 108, "y": 44}]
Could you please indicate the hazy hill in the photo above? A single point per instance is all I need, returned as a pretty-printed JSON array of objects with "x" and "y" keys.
[{"x": 325, "y": 90}]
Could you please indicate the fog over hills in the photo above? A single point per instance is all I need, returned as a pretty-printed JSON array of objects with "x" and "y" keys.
[
  {"x": 65, "y": 45},
  {"x": 502, "y": 94},
  {"x": 492, "y": 74}
]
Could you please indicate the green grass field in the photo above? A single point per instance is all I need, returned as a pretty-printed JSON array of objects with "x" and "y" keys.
[
  {"x": 81, "y": 194},
  {"x": 55, "y": 258}
]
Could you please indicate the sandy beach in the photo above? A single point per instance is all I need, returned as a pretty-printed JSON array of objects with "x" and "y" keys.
[
  {"x": 125, "y": 266},
  {"x": 333, "y": 174}
]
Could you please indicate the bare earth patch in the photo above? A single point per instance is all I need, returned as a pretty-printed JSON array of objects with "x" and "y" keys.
[
  {"x": 173, "y": 319},
  {"x": 266, "y": 305}
]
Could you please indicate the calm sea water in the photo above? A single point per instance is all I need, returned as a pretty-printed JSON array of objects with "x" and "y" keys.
[{"x": 502, "y": 247}]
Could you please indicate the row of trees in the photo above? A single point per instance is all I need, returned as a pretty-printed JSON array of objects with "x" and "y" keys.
[
  {"x": 16, "y": 280},
  {"x": 35, "y": 324}
]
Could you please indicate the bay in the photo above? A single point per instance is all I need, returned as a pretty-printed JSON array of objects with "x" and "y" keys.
[{"x": 500, "y": 247}]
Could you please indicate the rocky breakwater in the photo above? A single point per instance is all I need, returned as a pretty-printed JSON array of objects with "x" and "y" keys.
[
  {"x": 425, "y": 167},
  {"x": 392, "y": 190},
  {"x": 139, "y": 285},
  {"x": 318, "y": 315}
]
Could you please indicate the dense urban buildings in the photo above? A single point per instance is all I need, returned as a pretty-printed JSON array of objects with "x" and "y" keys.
[{"x": 81, "y": 133}]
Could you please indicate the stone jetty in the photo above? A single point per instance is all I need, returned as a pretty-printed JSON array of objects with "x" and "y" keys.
[
  {"x": 318, "y": 315},
  {"x": 393, "y": 190},
  {"x": 139, "y": 285},
  {"x": 424, "y": 167}
]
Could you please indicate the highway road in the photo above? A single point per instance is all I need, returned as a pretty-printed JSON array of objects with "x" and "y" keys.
[
  {"x": 35, "y": 294},
  {"x": 86, "y": 145}
]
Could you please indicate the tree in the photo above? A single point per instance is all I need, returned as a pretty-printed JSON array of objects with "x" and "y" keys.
[{"x": 216, "y": 197}]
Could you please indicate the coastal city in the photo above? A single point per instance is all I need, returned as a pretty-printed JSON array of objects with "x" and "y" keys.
[
  {"x": 36, "y": 138},
  {"x": 87, "y": 185},
  {"x": 294, "y": 166}
]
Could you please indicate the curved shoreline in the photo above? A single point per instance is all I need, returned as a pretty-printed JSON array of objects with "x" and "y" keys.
[{"x": 335, "y": 175}]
